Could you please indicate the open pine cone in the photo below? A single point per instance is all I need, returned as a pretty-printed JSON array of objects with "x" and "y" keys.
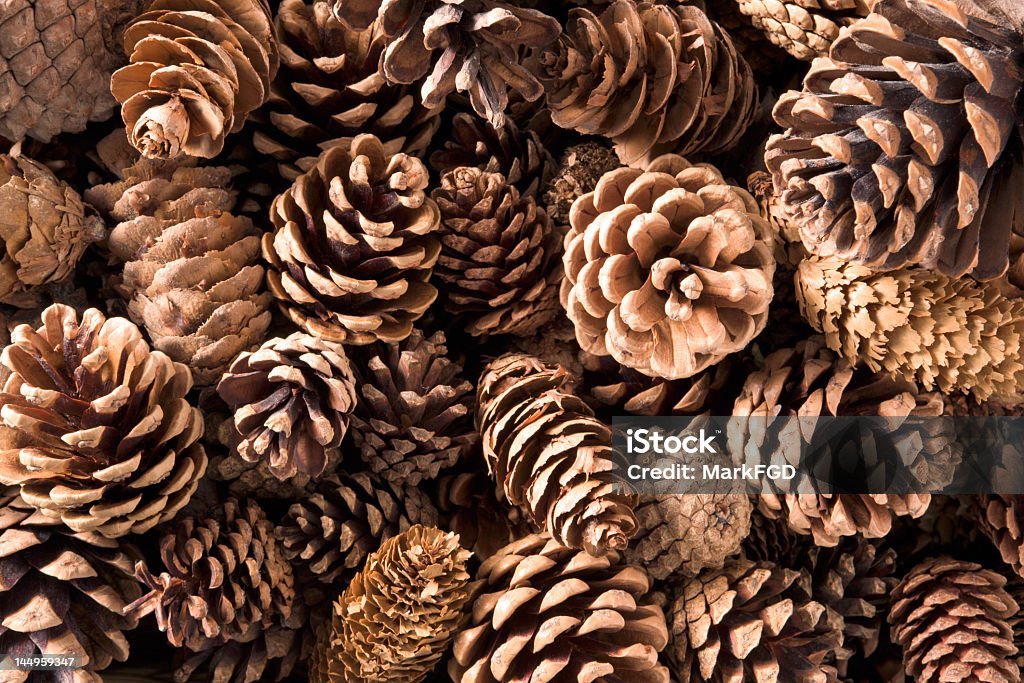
[{"x": 1001, "y": 519}]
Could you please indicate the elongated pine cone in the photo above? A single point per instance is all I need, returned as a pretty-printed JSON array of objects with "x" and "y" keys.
[
  {"x": 562, "y": 615},
  {"x": 550, "y": 456},
  {"x": 500, "y": 254},
  {"x": 1001, "y": 519},
  {"x": 398, "y": 616},
  {"x": 196, "y": 69},
  {"x": 292, "y": 399},
  {"x": 44, "y": 228},
  {"x": 352, "y": 250},
  {"x": 955, "y": 335},
  {"x": 191, "y": 274},
  {"x": 804, "y": 28},
  {"x": 952, "y": 620},
  {"x": 904, "y": 146},
  {"x": 111, "y": 444},
  {"x": 667, "y": 270},
  {"x": 652, "y": 77}
]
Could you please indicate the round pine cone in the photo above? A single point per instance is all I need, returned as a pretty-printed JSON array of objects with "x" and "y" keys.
[
  {"x": 1001, "y": 519},
  {"x": 110, "y": 441},
  {"x": 804, "y": 28},
  {"x": 652, "y": 77},
  {"x": 579, "y": 169},
  {"x": 500, "y": 254},
  {"x": 351, "y": 253},
  {"x": 667, "y": 270},
  {"x": 560, "y": 615},
  {"x": 291, "y": 399}
]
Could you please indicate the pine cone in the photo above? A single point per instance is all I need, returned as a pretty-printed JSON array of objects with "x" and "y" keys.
[
  {"x": 950, "y": 334},
  {"x": 196, "y": 69},
  {"x": 804, "y": 28},
  {"x": 469, "y": 507},
  {"x": 693, "y": 289},
  {"x": 653, "y": 78},
  {"x": 500, "y": 254},
  {"x": 951, "y": 619},
  {"x": 191, "y": 275},
  {"x": 579, "y": 169},
  {"x": 44, "y": 227},
  {"x": 482, "y": 41},
  {"x": 111, "y": 441},
  {"x": 333, "y": 531},
  {"x": 291, "y": 399},
  {"x": 351, "y": 253},
  {"x": 550, "y": 456},
  {"x": 560, "y": 615},
  {"x": 398, "y": 616},
  {"x": 903, "y": 147},
  {"x": 1001, "y": 519}
]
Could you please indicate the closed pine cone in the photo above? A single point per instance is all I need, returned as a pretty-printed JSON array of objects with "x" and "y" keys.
[{"x": 804, "y": 28}]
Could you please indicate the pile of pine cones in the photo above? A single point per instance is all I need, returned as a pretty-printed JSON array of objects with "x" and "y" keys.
[{"x": 309, "y": 357}]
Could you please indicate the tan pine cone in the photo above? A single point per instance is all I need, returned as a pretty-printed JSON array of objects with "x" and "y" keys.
[
  {"x": 903, "y": 146},
  {"x": 352, "y": 250},
  {"x": 398, "y": 616},
  {"x": 579, "y": 169},
  {"x": 952, "y": 620},
  {"x": 500, "y": 256},
  {"x": 667, "y": 270},
  {"x": 956, "y": 335},
  {"x": 562, "y": 615},
  {"x": 196, "y": 69},
  {"x": 292, "y": 399},
  {"x": 111, "y": 443},
  {"x": 804, "y": 28},
  {"x": 192, "y": 275},
  {"x": 654, "y": 78},
  {"x": 1001, "y": 519},
  {"x": 550, "y": 456},
  {"x": 469, "y": 507}
]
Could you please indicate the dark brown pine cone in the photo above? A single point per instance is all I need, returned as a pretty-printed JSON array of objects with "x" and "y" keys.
[
  {"x": 1001, "y": 519},
  {"x": 579, "y": 169},
  {"x": 469, "y": 507}
]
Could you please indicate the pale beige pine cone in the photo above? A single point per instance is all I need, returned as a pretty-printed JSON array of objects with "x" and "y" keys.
[{"x": 804, "y": 28}]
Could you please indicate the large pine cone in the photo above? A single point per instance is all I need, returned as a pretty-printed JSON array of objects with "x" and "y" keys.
[
  {"x": 473, "y": 46},
  {"x": 192, "y": 275},
  {"x": 1001, "y": 519},
  {"x": 561, "y": 615},
  {"x": 197, "y": 68},
  {"x": 951, "y": 618},
  {"x": 292, "y": 398},
  {"x": 905, "y": 144},
  {"x": 653, "y": 78},
  {"x": 667, "y": 270},
  {"x": 550, "y": 456},
  {"x": 804, "y": 28},
  {"x": 110, "y": 441},
  {"x": 351, "y": 254},
  {"x": 500, "y": 254}
]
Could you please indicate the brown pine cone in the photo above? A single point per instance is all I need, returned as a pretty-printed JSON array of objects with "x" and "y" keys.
[
  {"x": 561, "y": 615},
  {"x": 903, "y": 147},
  {"x": 191, "y": 275},
  {"x": 667, "y": 270},
  {"x": 550, "y": 456},
  {"x": 398, "y": 616},
  {"x": 351, "y": 253},
  {"x": 292, "y": 399},
  {"x": 469, "y": 507},
  {"x": 579, "y": 169},
  {"x": 472, "y": 46},
  {"x": 804, "y": 28},
  {"x": 952, "y": 620},
  {"x": 110, "y": 441},
  {"x": 1001, "y": 519},
  {"x": 500, "y": 254},
  {"x": 196, "y": 69},
  {"x": 653, "y": 78}
]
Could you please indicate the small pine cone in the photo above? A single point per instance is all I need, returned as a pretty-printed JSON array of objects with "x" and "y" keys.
[
  {"x": 111, "y": 443},
  {"x": 196, "y": 69},
  {"x": 957, "y": 335},
  {"x": 44, "y": 228},
  {"x": 753, "y": 621},
  {"x": 695, "y": 288},
  {"x": 550, "y": 456},
  {"x": 561, "y": 615},
  {"x": 553, "y": 343},
  {"x": 351, "y": 253},
  {"x": 1001, "y": 519},
  {"x": 579, "y": 169},
  {"x": 490, "y": 37},
  {"x": 226, "y": 593},
  {"x": 595, "y": 86},
  {"x": 291, "y": 399},
  {"x": 903, "y": 147},
  {"x": 952, "y": 620},
  {"x": 332, "y": 532},
  {"x": 804, "y": 28},
  {"x": 192, "y": 275},
  {"x": 500, "y": 254},
  {"x": 398, "y": 616},
  {"x": 469, "y": 506}
]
